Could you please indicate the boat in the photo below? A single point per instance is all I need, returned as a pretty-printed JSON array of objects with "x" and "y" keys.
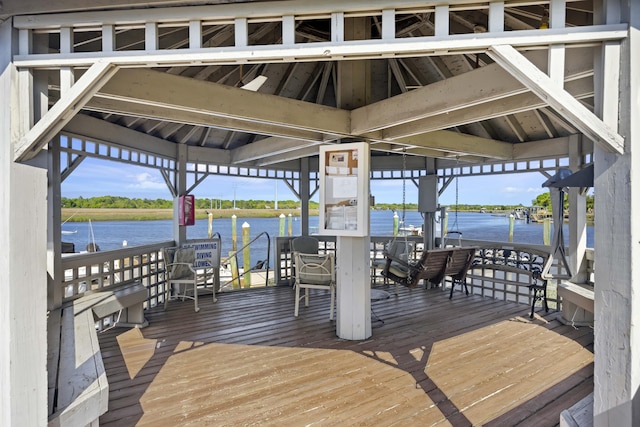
[{"x": 67, "y": 232}]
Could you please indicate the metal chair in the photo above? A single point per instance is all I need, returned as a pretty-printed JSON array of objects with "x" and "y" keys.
[
  {"x": 315, "y": 271},
  {"x": 180, "y": 271}
]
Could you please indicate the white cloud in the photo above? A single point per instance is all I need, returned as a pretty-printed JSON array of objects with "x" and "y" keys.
[{"x": 146, "y": 181}]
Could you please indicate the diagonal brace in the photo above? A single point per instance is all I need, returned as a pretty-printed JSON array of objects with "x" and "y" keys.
[
  {"x": 558, "y": 98},
  {"x": 64, "y": 110}
]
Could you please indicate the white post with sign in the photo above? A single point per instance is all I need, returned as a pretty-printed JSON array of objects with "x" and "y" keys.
[{"x": 344, "y": 212}]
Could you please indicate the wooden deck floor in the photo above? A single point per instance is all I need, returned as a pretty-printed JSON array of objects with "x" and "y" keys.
[{"x": 247, "y": 361}]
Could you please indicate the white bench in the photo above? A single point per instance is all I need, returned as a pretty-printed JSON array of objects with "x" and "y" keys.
[
  {"x": 78, "y": 387},
  {"x": 577, "y": 303}
]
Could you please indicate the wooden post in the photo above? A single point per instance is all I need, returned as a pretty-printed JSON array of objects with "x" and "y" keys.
[
  {"x": 281, "y": 231},
  {"x": 246, "y": 254},
  {"x": 512, "y": 220},
  {"x": 234, "y": 233},
  {"x": 290, "y": 225},
  {"x": 395, "y": 223},
  {"x": 23, "y": 231}
]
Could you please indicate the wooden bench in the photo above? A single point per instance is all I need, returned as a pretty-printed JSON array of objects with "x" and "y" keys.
[
  {"x": 78, "y": 387},
  {"x": 520, "y": 261},
  {"x": 577, "y": 303},
  {"x": 432, "y": 266}
]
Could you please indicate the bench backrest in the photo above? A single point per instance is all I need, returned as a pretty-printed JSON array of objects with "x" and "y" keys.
[
  {"x": 459, "y": 262},
  {"x": 432, "y": 265}
]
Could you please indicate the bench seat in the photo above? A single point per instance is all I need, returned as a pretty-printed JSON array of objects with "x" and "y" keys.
[
  {"x": 78, "y": 387},
  {"x": 577, "y": 303}
]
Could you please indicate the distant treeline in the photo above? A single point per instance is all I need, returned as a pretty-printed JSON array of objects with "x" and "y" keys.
[
  {"x": 201, "y": 203},
  {"x": 115, "y": 202}
]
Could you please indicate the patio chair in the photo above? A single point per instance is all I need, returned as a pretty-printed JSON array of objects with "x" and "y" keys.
[
  {"x": 314, "y": 271},
  {"x": 181, "y": 276},
  {"x": 305, "y": 245}
]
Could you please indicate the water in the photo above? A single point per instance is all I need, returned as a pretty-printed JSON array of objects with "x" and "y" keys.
[{"x": 476, "y": 226}]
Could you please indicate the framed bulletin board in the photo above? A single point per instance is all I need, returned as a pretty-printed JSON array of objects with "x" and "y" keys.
[{"x": 344, "y": 190}]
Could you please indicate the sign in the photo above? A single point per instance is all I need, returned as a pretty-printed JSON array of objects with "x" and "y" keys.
[{"x": 207, "y": 252}]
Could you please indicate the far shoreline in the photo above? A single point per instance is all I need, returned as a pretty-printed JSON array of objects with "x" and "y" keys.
[{"x": 118, "y": 214}]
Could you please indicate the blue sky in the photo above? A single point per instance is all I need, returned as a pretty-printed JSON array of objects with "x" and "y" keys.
[{"x": 96, "y": 177}]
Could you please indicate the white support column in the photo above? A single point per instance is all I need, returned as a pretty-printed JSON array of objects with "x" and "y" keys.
[
  {"x": 288, "y": 30},
  {"x": 195, "y": 34},
  {"x": 617, "y": 237},
  {"x": 354, "y": 288},
  {"x": 577, "y": 216},
  {"x": 557, "y": 18},
  {"x": 108, "y": 38},
  {"x": 442, "y": 20},
  {"x": 180, "y": 232},
  {"x": 337, "y": 27},
  {"x": 388, "y": 24},
  {"x": 23, "y": 230},
  {"x": 151, "y": 36},
  {"x": 241, "y": 32},
  {"x": 496, "y": 17},
  {"x": 304, "y": 195},
  {"x": 67, "y": 78}
]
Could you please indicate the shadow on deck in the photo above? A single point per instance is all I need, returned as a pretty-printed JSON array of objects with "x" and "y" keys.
[{"x": 246, "y": 360}]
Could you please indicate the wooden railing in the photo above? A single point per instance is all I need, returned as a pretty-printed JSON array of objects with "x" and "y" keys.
[
  {"x": 110, "y": 269},
  {"x": 107, "y": 270}
]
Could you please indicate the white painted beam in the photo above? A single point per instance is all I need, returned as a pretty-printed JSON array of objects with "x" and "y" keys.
[
  {"x": 335, "y": 50},
  {"x": 180, "y": 114},
  {"x": 93, "y": 129},
  {"x": 461, "y": 143},
  {"x": 562, "y": 101},
  {"x": 155, "y": 90},
  {"x": 580, "y": 89},
  {"x": 466, "y": 90},
  {"x": 63, "y": 110},
  {"x": 267, "y": 147}
]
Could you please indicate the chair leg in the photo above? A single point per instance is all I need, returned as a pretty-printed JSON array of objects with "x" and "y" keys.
[
  {"x": 195, "y": 296},
  {"x": 306, "y": 297},
  {"x": 295, "y": 312},
  {"x": 167, "y": 294},
  {"x": 333, "y": 299}
]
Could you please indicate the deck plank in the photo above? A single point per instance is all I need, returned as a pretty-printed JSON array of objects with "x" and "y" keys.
[{"x": 246, "y": 360}]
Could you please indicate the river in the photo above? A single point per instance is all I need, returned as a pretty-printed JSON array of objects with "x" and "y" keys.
[{"x": 477, "y": 226}]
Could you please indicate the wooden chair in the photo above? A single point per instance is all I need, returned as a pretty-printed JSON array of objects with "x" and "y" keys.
[{"x": 314, "y": 271}]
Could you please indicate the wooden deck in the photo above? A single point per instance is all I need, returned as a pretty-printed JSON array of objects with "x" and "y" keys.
[{"x": 247, "y": 361}]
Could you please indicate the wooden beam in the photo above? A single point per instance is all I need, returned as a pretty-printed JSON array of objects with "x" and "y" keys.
[
  {"x": 152, "y": 91},
  {"x": 561, "y": 100},
  {"x": 582, "y": 88},
  {"x": 63, "y": 110},
  {"x": 482, "y": 85},
  {"x": 331, "y": 51},
  {"x": 97, "y": 130},
  {"x": 455, "y": 142},
  {"x": 267, "y": 147}
]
